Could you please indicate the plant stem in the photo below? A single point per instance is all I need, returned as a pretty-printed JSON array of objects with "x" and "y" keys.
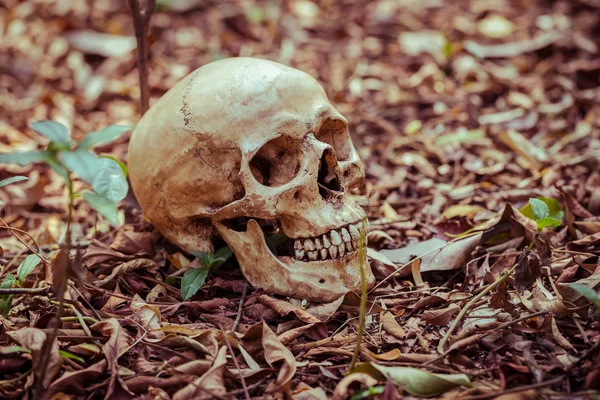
[
  {"x": 60, "y": 294},
  {"x": 363, "y": 296},
  {"x": 467, "y": 306},
  {"x": 141, "y": 23}
]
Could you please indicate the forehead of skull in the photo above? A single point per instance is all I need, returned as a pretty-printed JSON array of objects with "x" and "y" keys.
[{"x": 242, "y": 99}]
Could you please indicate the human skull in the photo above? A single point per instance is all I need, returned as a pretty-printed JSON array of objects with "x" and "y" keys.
[{"x": 243, "y": 148}]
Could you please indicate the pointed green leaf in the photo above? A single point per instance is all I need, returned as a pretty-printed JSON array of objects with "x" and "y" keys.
[
  {"x": 588, "y": 292},
  {"x": 55, "y": 131},
  {"x": 415, "y": 381},
  {"x": 192, "y": 281},
  {"x": 539, "y": 209},
  {"x": 8, "y": 281},
  {"x": 548, "y": 221},
  {"x": 103, "y": 136},
  {"x": 121, "y": 164},
  {"x": 82, "y": 162},
  {"x": 66, "y": 354},
  {"x": 205, "y": 258},
  {"x": 13, "y": 179},
  {"x": 221, "y": 255},
  {"x": 28, "y": 265},
  {"x": 13, "y": 349},
  {"x": 103, "y": 205},
  {"x": 110, "y": 181},
  {"x": 24, "y": 158}
]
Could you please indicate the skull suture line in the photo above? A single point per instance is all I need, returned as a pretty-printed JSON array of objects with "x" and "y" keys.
[{"x": 245, "y": 147}]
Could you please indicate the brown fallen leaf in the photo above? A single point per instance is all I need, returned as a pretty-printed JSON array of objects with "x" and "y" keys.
[
  {"x": 528, "y": 269},
  {"x": 435, "y": 254},
  {"x": 117, "y": 344},
  {"x": 209, "y": 385},
  {"x": 284, "y": 308},
  {"x": 391, "y": 326},
  {"x": 442, "y": 316},
  {"x": 342, "y": 390},
  {"x": 305, "y": 392},
  {"x": 76, "y": 381},
  {"x": 261, "y": 342},
  {"x": 132, "y": 265},
  {"x": 33, "y": 339}
]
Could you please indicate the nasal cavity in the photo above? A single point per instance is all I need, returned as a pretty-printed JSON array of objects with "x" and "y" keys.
[{"x": 328, "y": 180}]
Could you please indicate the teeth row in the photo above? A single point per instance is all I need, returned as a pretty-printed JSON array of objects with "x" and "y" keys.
[{"x": 331, "y": 245}]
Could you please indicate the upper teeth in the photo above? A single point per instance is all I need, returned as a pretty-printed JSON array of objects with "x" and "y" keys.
[{"x": 332, "y": 245}]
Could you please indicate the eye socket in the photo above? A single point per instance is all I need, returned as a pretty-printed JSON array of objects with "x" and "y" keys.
[
  {"x": 335, "y": 133},
  {"x": 277, "y": 162}
]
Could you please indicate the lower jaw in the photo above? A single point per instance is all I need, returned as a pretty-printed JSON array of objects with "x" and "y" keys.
[{"x": 319, "y": 281}]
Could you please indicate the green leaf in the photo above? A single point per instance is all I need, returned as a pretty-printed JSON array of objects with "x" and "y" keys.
[
  {"x": 28, "y": 265},
  {"x": 588, "y": 292},
  {"x": 110, "y": 180},
  {"x": 539, "y": 209},
  {"x": 192, "y": 281},
  {"x": 548, "y": 221},
  {"x": 221, "y": 255},
  {"x": 370, "y": 392},
  {"x": 548, "y": 209},
  {"x": 82, "y": 162},
  {"x": 56, "y": 132},
  {"x": 6, "y": 299},
  {"x": 103, "y": 205},
  {"x": 171, "y": 280},
  {"x": 12, "y": 179},
  {"x": 66, "y": 354},
  {"x": 24, "y": 158},
  {"x": 121, "y": 164},
  {"x": 415, "y": 381},
  {"x": 13, "y": 349},
  {"x": 205, "y": 258},
  {"x": 8, "y": 282},
  {"x": 103, "y": 136}
]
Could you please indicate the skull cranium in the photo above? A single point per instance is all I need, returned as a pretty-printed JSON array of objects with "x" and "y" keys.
[{"x": 243, "y": 147}]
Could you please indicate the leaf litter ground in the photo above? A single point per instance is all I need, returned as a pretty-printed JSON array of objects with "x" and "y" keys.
[{"x": 461, "y": 112}]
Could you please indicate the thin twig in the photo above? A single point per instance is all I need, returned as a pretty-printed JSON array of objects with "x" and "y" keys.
[
  {"x": 30, "y": 291},
  {"x": 489, "y": 332},
  {"x": 240, "y": 307},
  {"x": 13, "y": 230},
  {"x": 141, "y": 23},
  {"x": 468, "y": 306},
  {"x": 515, "y": 389},
  {"x": 237, "y": 365}
]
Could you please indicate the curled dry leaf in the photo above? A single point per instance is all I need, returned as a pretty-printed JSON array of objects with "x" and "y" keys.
[
  {"x": 117, "y": 344},
  {"x": 391, "y": 326},
  {"x": 261, "y": 341},
  {"x": 342, "y": 390},
  {"x": 210, "y": 385},
  {"x": 76, "y": 381},
  {"x": 435, "y": 254},
  {"x": 33, "y": 339},
  {"x": 129, "y": 266}
]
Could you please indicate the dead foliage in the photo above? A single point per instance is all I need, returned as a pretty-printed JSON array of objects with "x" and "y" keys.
[{"x": 461, "y": 111}]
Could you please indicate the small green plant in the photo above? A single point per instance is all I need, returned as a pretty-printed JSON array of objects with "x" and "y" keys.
[
  {"x": 194, "y": 278},
  {"x": 10, "y": 180},
  {"x": 25, "y": 268},
  {"x": 106, "y": 175},
  {"x": 588, "y": 293},
  {"x": 544, "y": 211}
]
